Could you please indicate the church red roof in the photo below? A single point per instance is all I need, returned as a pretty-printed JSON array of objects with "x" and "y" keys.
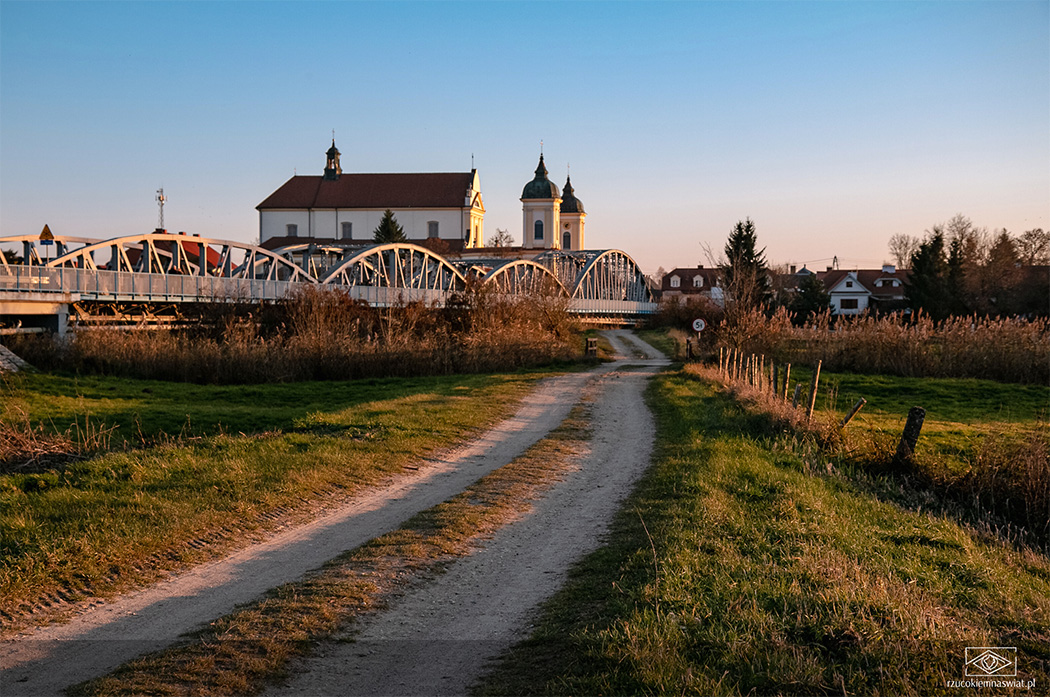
[{"x": 373, "y": 191}]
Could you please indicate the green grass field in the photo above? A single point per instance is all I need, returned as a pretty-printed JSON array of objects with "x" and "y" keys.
[
  {"x": 733, "y": 570},
  {"x": 210, "y": 464}
]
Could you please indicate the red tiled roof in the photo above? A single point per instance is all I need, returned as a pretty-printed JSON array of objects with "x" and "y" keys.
[
  {"x": 712, "y": 277},
  {"x": 867, "y": 279},
  {"x": 373, "y": 191}
]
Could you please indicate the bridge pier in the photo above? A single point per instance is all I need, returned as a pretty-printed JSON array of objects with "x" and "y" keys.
[{"x": 47, "y": 311}]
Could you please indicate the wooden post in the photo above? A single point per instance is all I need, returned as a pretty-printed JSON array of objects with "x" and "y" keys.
[
  {"x": 787, "y": 380},
  {"x": 775, "y": 379},
  {"x": 813, "y": 391},
  {"x": 853, "y": 412},
  {"x": 798, "y": 392},
  {"x": 721, "y": 350},
  {"x": 689, "y": 349},
  {"x": 905, "y": 449}
]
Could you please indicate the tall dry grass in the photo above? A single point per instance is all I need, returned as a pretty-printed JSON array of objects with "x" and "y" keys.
[
  {"x": 324, "y": 335},
  {"x": 1003, "y": 349}
]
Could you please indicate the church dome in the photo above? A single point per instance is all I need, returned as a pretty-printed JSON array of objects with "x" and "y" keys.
[
  {"x": 541, "y": 186},
  {"x": 569, "y": 202}
]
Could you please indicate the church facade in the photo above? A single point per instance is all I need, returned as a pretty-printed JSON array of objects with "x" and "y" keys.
[
  {"x": 443, "y": 208},
  {"x": 346, "y": 208},
  {"x": 551, "y": 219}
]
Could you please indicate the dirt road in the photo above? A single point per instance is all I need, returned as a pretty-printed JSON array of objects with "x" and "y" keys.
[{"x": 478, "y": 607}]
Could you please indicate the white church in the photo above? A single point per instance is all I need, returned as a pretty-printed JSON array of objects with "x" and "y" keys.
[{"x": 438, "y": 207}]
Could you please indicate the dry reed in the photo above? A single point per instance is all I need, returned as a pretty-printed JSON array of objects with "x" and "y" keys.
[
  {"x": 325, "y": 335},
  {"x": 1002, "y": 349}
]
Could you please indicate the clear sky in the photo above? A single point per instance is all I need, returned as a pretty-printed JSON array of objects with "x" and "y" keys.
[{"x": 833, "y": 125}]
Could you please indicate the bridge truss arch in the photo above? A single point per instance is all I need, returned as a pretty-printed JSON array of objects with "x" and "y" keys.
[
  {"x": 32, "y": 246},
  {"x": 523, "y": 277},
  {"x": 184, "y": 255},
  {"x": 396, "y": 265},
  {"x": 599, "y": 275}
]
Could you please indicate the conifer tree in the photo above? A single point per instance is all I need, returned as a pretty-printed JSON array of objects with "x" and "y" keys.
[
  {"x": 389, "y": 230},
  {"x": 929, "y": 286},
  {"x": 810, "y": 299},
  {"x": 745, "y": 272}
]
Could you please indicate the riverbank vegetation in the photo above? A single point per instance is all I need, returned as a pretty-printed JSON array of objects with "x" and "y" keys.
[
  {"x": 1004, "y": 349},
  {"x": 323, "y": 335}
]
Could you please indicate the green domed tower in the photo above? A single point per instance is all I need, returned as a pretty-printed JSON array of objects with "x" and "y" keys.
[{"x": 541, "y": 211}]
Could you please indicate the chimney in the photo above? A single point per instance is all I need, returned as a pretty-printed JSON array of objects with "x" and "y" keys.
[
  {"x": 699, "y": 266},
  {"x": 831, "y": 268},
  {"x": 793, "y": 268}
]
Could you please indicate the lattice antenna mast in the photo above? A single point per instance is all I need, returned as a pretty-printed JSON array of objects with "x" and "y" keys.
[{"x": 161, "y": 198}]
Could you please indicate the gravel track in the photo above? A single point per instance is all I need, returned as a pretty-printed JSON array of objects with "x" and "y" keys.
[
  {"x": 525, "y": 562},
  {"x": 441, "y": 637}
]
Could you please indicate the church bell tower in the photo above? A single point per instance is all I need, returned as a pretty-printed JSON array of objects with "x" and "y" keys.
[{"x": 332, "y": 170}]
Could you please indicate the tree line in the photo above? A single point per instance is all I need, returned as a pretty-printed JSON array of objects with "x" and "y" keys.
[{"x": 955, "y": 269}]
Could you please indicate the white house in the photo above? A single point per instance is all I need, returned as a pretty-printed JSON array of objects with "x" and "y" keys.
[
  {"x": 346, "y": 208},
  {"x": 853, "y": 292}
]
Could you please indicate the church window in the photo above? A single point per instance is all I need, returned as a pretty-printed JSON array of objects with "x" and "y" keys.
[
  {"x": 432, "y": 228},
  {"x": 292, "y": 230},
  {"x": 348, "y": 231},
  {"x": 566, "y": 240},
  {"x": 538, "y": 227}
]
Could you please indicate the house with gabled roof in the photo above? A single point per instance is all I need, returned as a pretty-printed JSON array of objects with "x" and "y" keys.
[
  {"x": 854, "y": 291},
  {"x": 693, "y": 282}
]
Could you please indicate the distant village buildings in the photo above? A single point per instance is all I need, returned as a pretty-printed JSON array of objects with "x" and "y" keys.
[
  {"x": 852, "y": 291},
  {"x": 345, "y": 209}
]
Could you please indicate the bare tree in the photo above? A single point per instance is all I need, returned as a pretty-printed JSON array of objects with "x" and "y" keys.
[
  {"x": 502, "y": 238},
  {"x": 902, "y": 247},
  {"x": 1033, "y": 247}
]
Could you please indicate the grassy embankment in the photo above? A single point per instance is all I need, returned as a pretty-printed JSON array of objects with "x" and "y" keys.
[
  {"x": 243, "y": 652},
  {"x": 741, "y": 566},
  {"x": 181, "y": 471}
]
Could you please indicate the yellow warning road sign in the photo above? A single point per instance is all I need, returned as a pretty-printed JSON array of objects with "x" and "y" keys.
[{"x": 45, "y": 234}]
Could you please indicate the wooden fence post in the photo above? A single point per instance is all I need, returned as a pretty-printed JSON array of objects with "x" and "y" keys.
[
  {"x": 775, "y": 379},
  {"x": 853, "y": 412},
  {"x": 905, "y": 449},
  {"x": 813, "y": 391},
  {"x": 787, "y": 380},
  {"x": 798, "y": 393}
]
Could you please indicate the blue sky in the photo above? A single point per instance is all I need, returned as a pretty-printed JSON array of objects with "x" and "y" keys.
[{"x": 833, "y": 125}]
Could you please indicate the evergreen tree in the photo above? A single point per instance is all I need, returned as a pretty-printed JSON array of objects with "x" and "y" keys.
[
  {"x": 389, "y": 230},
  {"x": 929, "y": 288},
  {"x": 745, "y": 273},
  {"x": 811, "y": 298}
]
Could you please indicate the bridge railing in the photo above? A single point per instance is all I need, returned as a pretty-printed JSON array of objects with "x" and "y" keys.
[
  {"x": 146, "y": 287},
  {"x": 116, "y": 285}
]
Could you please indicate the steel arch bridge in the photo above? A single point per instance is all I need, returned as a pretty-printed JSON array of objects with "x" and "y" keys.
[{"x": 161, "y": 267}]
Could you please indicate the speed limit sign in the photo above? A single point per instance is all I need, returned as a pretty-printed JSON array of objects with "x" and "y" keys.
[{"x": 699, "y": 325}]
